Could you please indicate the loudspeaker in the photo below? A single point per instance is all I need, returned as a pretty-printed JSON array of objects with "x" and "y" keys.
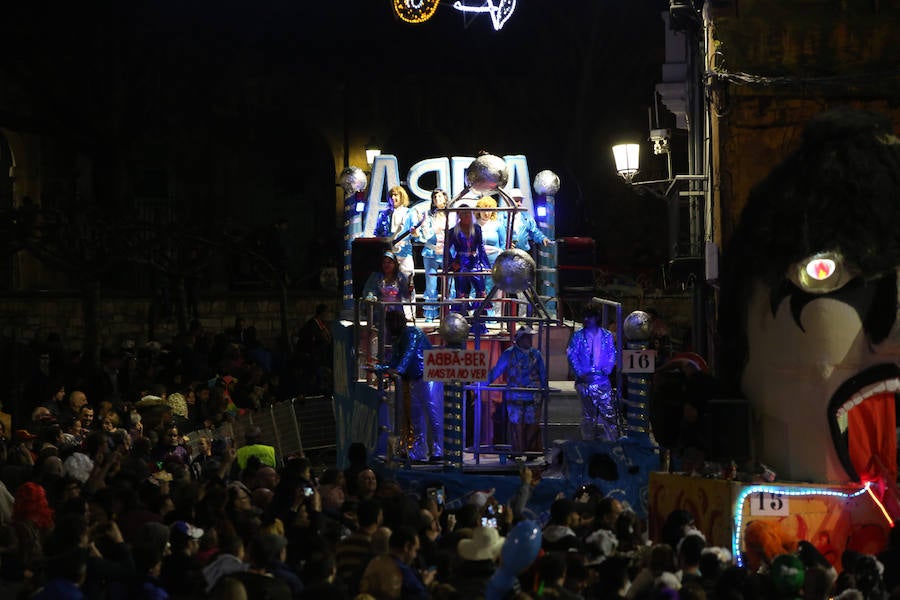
[
  {"x": 365, "y": 258},
  {"x": 575, "y": 262},
  {"x": 727, "y": 425}
]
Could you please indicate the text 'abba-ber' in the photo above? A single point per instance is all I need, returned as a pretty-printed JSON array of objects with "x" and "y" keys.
[{"x": 443, "y": 364}]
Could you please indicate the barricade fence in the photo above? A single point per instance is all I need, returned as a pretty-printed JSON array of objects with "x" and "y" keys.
[{"x": 291, "y": 427}]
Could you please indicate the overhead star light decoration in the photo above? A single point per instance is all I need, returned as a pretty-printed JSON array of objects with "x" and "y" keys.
[
  {"x": 415, "y": 11},
  {"x": 500, "y": 10}
]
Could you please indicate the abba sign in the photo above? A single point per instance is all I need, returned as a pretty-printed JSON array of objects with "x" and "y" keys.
[{"x": 450, "y": 174}]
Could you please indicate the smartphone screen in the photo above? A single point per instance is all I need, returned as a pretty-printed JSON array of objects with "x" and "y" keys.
[
  {"x": 437, "y": 493},
  {"x": 489, "y": 522}
]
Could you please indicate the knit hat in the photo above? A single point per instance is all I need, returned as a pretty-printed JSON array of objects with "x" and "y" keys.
[
  {"x": 523, "y": 331},
  {"x": 787, "y": 575}
]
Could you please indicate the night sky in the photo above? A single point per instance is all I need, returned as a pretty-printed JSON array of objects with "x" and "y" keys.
[{"x": 561, "y": 82}]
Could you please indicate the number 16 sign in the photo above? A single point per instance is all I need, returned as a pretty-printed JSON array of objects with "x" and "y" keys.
[{"x": 638, "y": 361}]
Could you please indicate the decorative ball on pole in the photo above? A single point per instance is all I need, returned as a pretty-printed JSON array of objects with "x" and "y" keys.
[
  {"x": 513, "y": 271},
  {"x": 454, "y": 330},
  {"x": 637, "y": 328},
  {"x": 487, "y": 173},
  {"x": 352, "y": 180},
  {"x": 546, "y": 183}
]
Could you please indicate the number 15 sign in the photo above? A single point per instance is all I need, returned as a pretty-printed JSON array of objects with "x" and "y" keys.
[{"x": 768, "y": 504}]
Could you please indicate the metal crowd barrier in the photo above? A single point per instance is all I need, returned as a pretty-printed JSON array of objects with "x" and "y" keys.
[{"x": 291, "y": 427}]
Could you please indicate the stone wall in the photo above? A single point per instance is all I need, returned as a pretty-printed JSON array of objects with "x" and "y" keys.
[
  {"x": 775, "y": 65},
  {"x": 28, "y": 317}
]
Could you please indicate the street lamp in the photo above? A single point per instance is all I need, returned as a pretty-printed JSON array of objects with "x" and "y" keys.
[
  {"x": 373, "y": 149},
  {"x": 671, "y": 188},
  {"x": 627, "y": 158}
]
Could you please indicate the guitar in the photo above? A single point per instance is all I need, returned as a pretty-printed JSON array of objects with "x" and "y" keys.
[{"x": 401, "y": 236}]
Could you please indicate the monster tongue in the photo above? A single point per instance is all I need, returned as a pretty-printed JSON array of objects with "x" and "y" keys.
[{"x": 872, "y": 444}]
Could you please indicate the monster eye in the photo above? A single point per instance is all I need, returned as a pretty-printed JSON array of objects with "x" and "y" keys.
[{"x": 821, "y": 273}]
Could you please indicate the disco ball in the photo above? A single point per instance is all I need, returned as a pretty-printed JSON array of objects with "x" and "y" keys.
[
  {"x": 487, "y": 173},
  {"x": 353, "y": 180},
  {"x": 454, "y": 329},
  {"x": 513, "y": 270},
  {"x": 546, "y": 183},
  {"x": 637, "y": 326}
]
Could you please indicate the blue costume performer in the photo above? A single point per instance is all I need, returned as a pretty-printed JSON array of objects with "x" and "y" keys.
[
  {"x": 592, "y": 356},
  {"x": 431, "y": 233},
  {"x": 493, "y": 235},
  {"x": 423, "y": 415},
  {"x": 392, "y": 222},
  {"x": 523, "y": 367},
  {"x": 525, "y": 229},
  {"x": 467, "y": 250}
]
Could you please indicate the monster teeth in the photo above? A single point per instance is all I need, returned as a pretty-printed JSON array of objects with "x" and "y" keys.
[{"x": 879, "y": 387}]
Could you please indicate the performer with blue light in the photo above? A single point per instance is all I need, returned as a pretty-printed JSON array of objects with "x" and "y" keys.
[
  {"x": 467, "y": 251},
  {"x": 524, "y": 368},
  {"x": 525, "y": 229},
  {"x": 592, "y": 356},
  {"x": 423, "y": 416},
  {"x": 431, "y": 233},
  {"x": 393, "y": 222},
  {"x": 494, "y": 237}
]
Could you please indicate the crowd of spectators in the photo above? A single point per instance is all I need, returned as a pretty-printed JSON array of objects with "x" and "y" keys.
[{"x": 103, "y": 496}]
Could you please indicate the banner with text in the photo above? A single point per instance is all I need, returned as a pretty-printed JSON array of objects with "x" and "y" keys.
[{"x": 447, "y": 364}]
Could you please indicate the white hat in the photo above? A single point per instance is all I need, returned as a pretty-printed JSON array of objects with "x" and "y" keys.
[
  {"x": 479, "y": 499},
  {"x": 516, "y": 193},
  {"x": 187, "y": 530},
  {"x": 485, "y": 544}
]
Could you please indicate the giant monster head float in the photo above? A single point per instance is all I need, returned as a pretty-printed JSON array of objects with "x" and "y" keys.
[{"x": 808, "y": 312}]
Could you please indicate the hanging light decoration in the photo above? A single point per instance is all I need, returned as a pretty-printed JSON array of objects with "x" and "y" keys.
[
  {"x": 499, "y": 10},
  {"x": 415, "y": 11}
]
